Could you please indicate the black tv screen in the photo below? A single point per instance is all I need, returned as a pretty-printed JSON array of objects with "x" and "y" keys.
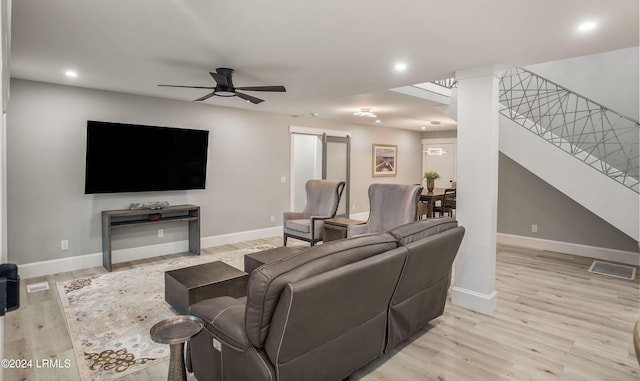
[{"x": 136, "y": 158}]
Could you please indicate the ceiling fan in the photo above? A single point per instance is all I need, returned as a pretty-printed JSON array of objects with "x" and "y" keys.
[{"x": 224, "y": 87}]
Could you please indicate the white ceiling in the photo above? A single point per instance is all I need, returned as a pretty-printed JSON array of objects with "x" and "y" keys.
[{"x": 333, "y": 57}]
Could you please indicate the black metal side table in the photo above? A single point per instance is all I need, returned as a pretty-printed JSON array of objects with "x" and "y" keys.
[{"x": 175, "y": 331}]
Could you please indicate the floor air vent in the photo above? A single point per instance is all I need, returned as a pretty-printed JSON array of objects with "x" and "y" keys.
[
  {"x": 614, "y": 270},
  {"x": 33, "y": 287}
]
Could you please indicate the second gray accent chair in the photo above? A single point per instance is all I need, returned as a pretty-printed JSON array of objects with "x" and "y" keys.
[
  {"x": 323, "y": 197},
  {"x": 390, "y": 205}
]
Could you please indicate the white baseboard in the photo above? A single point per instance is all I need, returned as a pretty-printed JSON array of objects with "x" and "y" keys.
[
  {"x": 613, "y": 255},
  {"x": 241, "y": 236},
  {"x": 55, "y": 266},
  {"x": 473, "y": 300}
]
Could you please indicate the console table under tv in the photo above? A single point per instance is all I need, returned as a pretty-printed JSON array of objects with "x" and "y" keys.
[{"x": 125, "y": 218}]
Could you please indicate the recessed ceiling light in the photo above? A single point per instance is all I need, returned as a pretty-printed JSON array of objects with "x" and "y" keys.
[
  {"x": 71, "y": 73},
  {"x": 378, "y": 121},
  {"x": 423, "y": 127},
  {"x": 314, "y": 114},
  {"x": 587, "y": 26},
  {"x": 400, "y": 66},
  {"x": 435, "y": 122}
]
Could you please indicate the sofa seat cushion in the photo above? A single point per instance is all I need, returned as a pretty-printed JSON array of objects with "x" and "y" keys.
[
  {"x": 299, "y": 225},
  {"x": 267, "y": 282}
]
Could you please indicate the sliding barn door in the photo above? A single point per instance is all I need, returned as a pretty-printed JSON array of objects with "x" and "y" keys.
[
  {"x": 319, "y": 157},
  {"x": 336, "y": 165}
]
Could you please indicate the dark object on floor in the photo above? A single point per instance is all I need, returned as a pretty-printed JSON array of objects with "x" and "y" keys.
[{"x": 9, "y": 288}]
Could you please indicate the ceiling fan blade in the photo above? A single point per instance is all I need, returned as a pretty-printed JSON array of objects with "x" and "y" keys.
[
  {"x": 220, "y": 79},
  {"x": 279, "y": 89},
  {"x": 249, "y": 98},
  {"x": 205, "y": 97},
  {"x": 189, "y": 87}
]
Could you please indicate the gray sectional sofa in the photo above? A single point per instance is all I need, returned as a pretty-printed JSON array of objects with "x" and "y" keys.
[{"x": 325, "y": 312}]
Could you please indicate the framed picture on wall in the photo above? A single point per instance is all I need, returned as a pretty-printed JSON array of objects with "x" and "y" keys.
[{"x": 385, "y": 160}]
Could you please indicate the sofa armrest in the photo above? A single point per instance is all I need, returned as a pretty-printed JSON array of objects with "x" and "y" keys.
[{"x": 224, "y": 318}]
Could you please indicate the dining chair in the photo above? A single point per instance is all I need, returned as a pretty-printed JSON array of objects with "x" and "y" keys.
[
  {"x": 423, "y": 210},
  {"x": 447, "y": 203}
]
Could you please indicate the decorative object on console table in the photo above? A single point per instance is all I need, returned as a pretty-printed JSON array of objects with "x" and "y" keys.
[
  {"x": 118, "y": 219},
  {"x": 336, "y": 228},
  {"x": 385, "y": 160},
  {"x": 149, "y": 205},
  {"x": 431, "y": 176}
]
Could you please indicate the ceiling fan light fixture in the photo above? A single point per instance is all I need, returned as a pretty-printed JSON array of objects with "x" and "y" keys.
[
  {"x": 365, "y": 111},
  {"x": 224, "y": 93}
]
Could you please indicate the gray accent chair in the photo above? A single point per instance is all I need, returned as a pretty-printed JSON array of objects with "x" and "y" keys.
[
  {"x": 390, "y": 205},
  {"x": 323, "y": 197}
]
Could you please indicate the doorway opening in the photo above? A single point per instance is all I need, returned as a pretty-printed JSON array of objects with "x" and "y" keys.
[{"x": 319, "y": 154}]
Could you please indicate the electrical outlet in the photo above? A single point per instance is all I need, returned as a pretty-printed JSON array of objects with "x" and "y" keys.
[
  {"x": 64, "y": 245},
  {"x": 283, "y": 180},
  {"x": 160, "y": 233},
  {"x": 534, "y": 228},
  {"x": 353, "y": 207},
  {"x": 273, "y": 218}
]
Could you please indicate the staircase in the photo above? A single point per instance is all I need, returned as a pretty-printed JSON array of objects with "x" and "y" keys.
[
  {"x": 582, "y": 148},
  {"x": 585, "y": 150},
  {"x": 588, "y": 131}
]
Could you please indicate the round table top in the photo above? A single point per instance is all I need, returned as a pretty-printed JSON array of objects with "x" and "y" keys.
[{"x": 176, "y": 330}]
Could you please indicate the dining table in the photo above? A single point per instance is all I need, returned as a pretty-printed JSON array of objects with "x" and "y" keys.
[{"x": 430, "y": 198}]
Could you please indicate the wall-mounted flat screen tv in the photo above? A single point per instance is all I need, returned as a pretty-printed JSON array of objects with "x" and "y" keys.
[{"x": 136, "y": 158}]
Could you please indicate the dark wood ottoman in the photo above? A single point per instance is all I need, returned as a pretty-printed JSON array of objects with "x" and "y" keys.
[
  {"x": 189, "y": 285},
  {"x": 254, "y": 260}
]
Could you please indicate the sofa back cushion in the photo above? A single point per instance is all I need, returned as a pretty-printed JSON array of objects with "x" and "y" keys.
[
  {"x": 267, "y": 282},
  {"x": 329, "y": 325},
  {"x": 431, "y": 247},
  {"x": 418, "y": 230}
]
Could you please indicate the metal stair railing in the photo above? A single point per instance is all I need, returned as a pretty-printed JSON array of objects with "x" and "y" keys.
[{"x": 590, "y": 132}]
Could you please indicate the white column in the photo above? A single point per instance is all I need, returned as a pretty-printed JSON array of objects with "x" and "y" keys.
[{"x": 477, "y": 190}]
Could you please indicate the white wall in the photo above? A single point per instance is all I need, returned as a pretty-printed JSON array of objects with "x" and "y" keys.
[
  {"x": 609, "y": 78},
  {"x": 248, "y": 154}
]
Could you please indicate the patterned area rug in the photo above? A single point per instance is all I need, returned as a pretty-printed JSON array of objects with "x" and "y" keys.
[{"x": 109, "y": 316}]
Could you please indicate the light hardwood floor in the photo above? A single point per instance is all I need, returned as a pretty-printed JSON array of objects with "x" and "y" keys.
[{"x": 554, "y": 321}]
